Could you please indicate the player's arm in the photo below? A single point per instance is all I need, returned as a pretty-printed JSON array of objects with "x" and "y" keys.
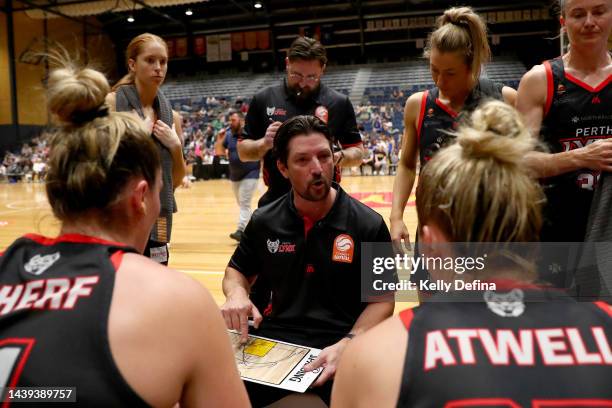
[
  {"x": 371, "y": 368},
  {"x": 509, "y": 95},
  {"x": 178, "y": 162},
  {"x": 531, "y": 102},
  {"x": 111, "y": 101},
  {"x": 406, "y": 169},
  {"x": 214, "y": 379}
]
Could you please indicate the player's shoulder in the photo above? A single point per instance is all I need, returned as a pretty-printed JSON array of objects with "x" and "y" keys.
[
  {"x": 535, "y": 74},
  {"x": 158, "y": 286}
]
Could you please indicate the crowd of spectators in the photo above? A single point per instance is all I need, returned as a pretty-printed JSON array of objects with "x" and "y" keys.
[
  {"x": 28, "y": 163},
  {"x": 380, "y": 128}
]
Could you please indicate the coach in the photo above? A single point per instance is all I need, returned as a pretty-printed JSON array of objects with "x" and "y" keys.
[{"x": 308, "y": 245}]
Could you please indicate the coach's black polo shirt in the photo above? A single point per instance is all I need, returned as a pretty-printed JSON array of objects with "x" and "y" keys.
[
  {"x": 275, "y": 103},
  {"x": 313, "y": 270}
]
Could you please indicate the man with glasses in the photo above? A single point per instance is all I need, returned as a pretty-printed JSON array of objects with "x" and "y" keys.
[{"x": 300, "y": 93}]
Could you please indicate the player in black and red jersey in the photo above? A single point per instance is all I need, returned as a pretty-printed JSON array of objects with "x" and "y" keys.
[
  {"x": 86, "y": 309},
  {"x": 518, "y": 345},
  {"x": 568, "y": 101},
  {"x": 457, "y": 51}
]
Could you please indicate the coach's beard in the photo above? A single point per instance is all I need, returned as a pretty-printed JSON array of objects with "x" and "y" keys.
[
  {"x": 301, "y": 94},
  {"x": 310, "y": 194}
]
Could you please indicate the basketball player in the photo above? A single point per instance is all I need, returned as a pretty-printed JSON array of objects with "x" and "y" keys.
[
  {"x": 500, "y": 349},
  {"x": 457, "y": 50},
  {"x": 568, "y": 101},
  {"x": 147, "y": 61},
  {"x": 85, "y": 309},
  {"x": 308, "y": 246}
]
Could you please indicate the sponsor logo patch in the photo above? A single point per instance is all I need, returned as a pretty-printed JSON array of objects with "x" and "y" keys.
[
  {"x": 343, "y": 249},
  {"x": 322, "y": 113}
]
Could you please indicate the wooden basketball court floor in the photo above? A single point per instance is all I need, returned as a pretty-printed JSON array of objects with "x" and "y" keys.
[{"x": 208, "y": 213}]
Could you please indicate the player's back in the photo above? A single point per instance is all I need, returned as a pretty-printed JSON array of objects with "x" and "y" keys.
[
  {"x": 55, "y": 298},
  {"x": 526, "y": 347}
]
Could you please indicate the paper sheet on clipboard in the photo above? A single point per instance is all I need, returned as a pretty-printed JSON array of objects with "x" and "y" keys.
[{"x": 274, "y": 363}]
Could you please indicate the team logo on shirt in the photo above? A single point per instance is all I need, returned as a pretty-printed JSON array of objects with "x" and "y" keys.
[
  {"x": 343, "y": 249},
  {"x": 505, "y": 304},
  {"x": 322, "y": 113},
  {"x": 276, "y": 246},
  {"x": 274, "y": 111},
  {"x": 430, "y": 113},
  {"x": 38, "y": 264}
]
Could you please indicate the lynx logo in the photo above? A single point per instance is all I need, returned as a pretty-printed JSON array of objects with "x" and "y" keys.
[
  {"x": 343, "y": 249},
  {"x": 505, "y": 304},
  {"x": 270, "y": 110},
  {"x": 273, "y": 246},
  {"x": 276, "y": 246},
  {"x": 38, "y": 264}
]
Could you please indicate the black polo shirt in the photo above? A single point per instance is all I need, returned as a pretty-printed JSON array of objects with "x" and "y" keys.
[
  {"x": 313, "y": 270},
  {"x": 275, "y": 103}
]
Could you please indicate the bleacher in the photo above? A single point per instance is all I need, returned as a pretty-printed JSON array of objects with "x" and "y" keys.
[{"x": 382, "y": 81}]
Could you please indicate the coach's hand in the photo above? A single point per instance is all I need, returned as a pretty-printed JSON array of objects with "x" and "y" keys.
[
  {"x": 236, "y": 311},
  {"x": 271, "y": 134},
  {"x": 328, "y": 359}
]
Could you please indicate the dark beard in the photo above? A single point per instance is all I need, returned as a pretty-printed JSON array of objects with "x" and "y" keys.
[{"x": 301, "y": 95}]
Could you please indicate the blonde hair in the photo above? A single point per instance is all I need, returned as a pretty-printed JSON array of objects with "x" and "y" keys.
[
  {"x": 133, "y": 50},
  {"x": 463, "y": 31},
  {"x": 94, "y": 152},
  {"x": 477, "y": 189}
]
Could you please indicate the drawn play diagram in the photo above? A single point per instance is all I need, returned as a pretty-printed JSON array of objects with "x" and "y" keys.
[{"x": 274, "y": 363}]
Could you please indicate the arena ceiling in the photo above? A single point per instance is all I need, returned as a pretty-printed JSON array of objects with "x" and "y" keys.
[{"x": 169, "y": 18}]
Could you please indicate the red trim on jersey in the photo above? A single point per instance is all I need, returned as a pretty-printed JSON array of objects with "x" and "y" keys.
[
  {"x": 116, "y": 259},
  {"x": 421, "y": 116},
  {"x": 28, "y": 343},
  {"x": 406, "y": 318},
  {"x": 446, "y": 109},
  {"x": 308, "y": 224},
  {"x": 572, "y": 403},
  {"x": 586, "y": 86},
  {"x": 550, "y": 87},
  {"x": 76, "y": 238},
  {"x": 346, "y": 146},
  {"x": 482, "y": 402},
  {"x": 605, "y": 307}
]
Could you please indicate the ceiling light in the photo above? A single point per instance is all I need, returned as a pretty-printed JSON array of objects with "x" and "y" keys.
[
  {"x": 257, "y": 5},
  {"x": 188, "y": 12},
  {"x": 130, "y": 19}
]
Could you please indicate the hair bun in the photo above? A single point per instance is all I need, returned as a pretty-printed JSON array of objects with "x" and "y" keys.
[
  {"x": 76, "y": 93},
  {"x": 496, "y": 131}
]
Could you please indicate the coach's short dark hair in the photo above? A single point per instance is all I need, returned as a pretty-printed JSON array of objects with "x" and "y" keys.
[
  {"x": 298, "y": 126},
  {"x": 306, "y": 48}
]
